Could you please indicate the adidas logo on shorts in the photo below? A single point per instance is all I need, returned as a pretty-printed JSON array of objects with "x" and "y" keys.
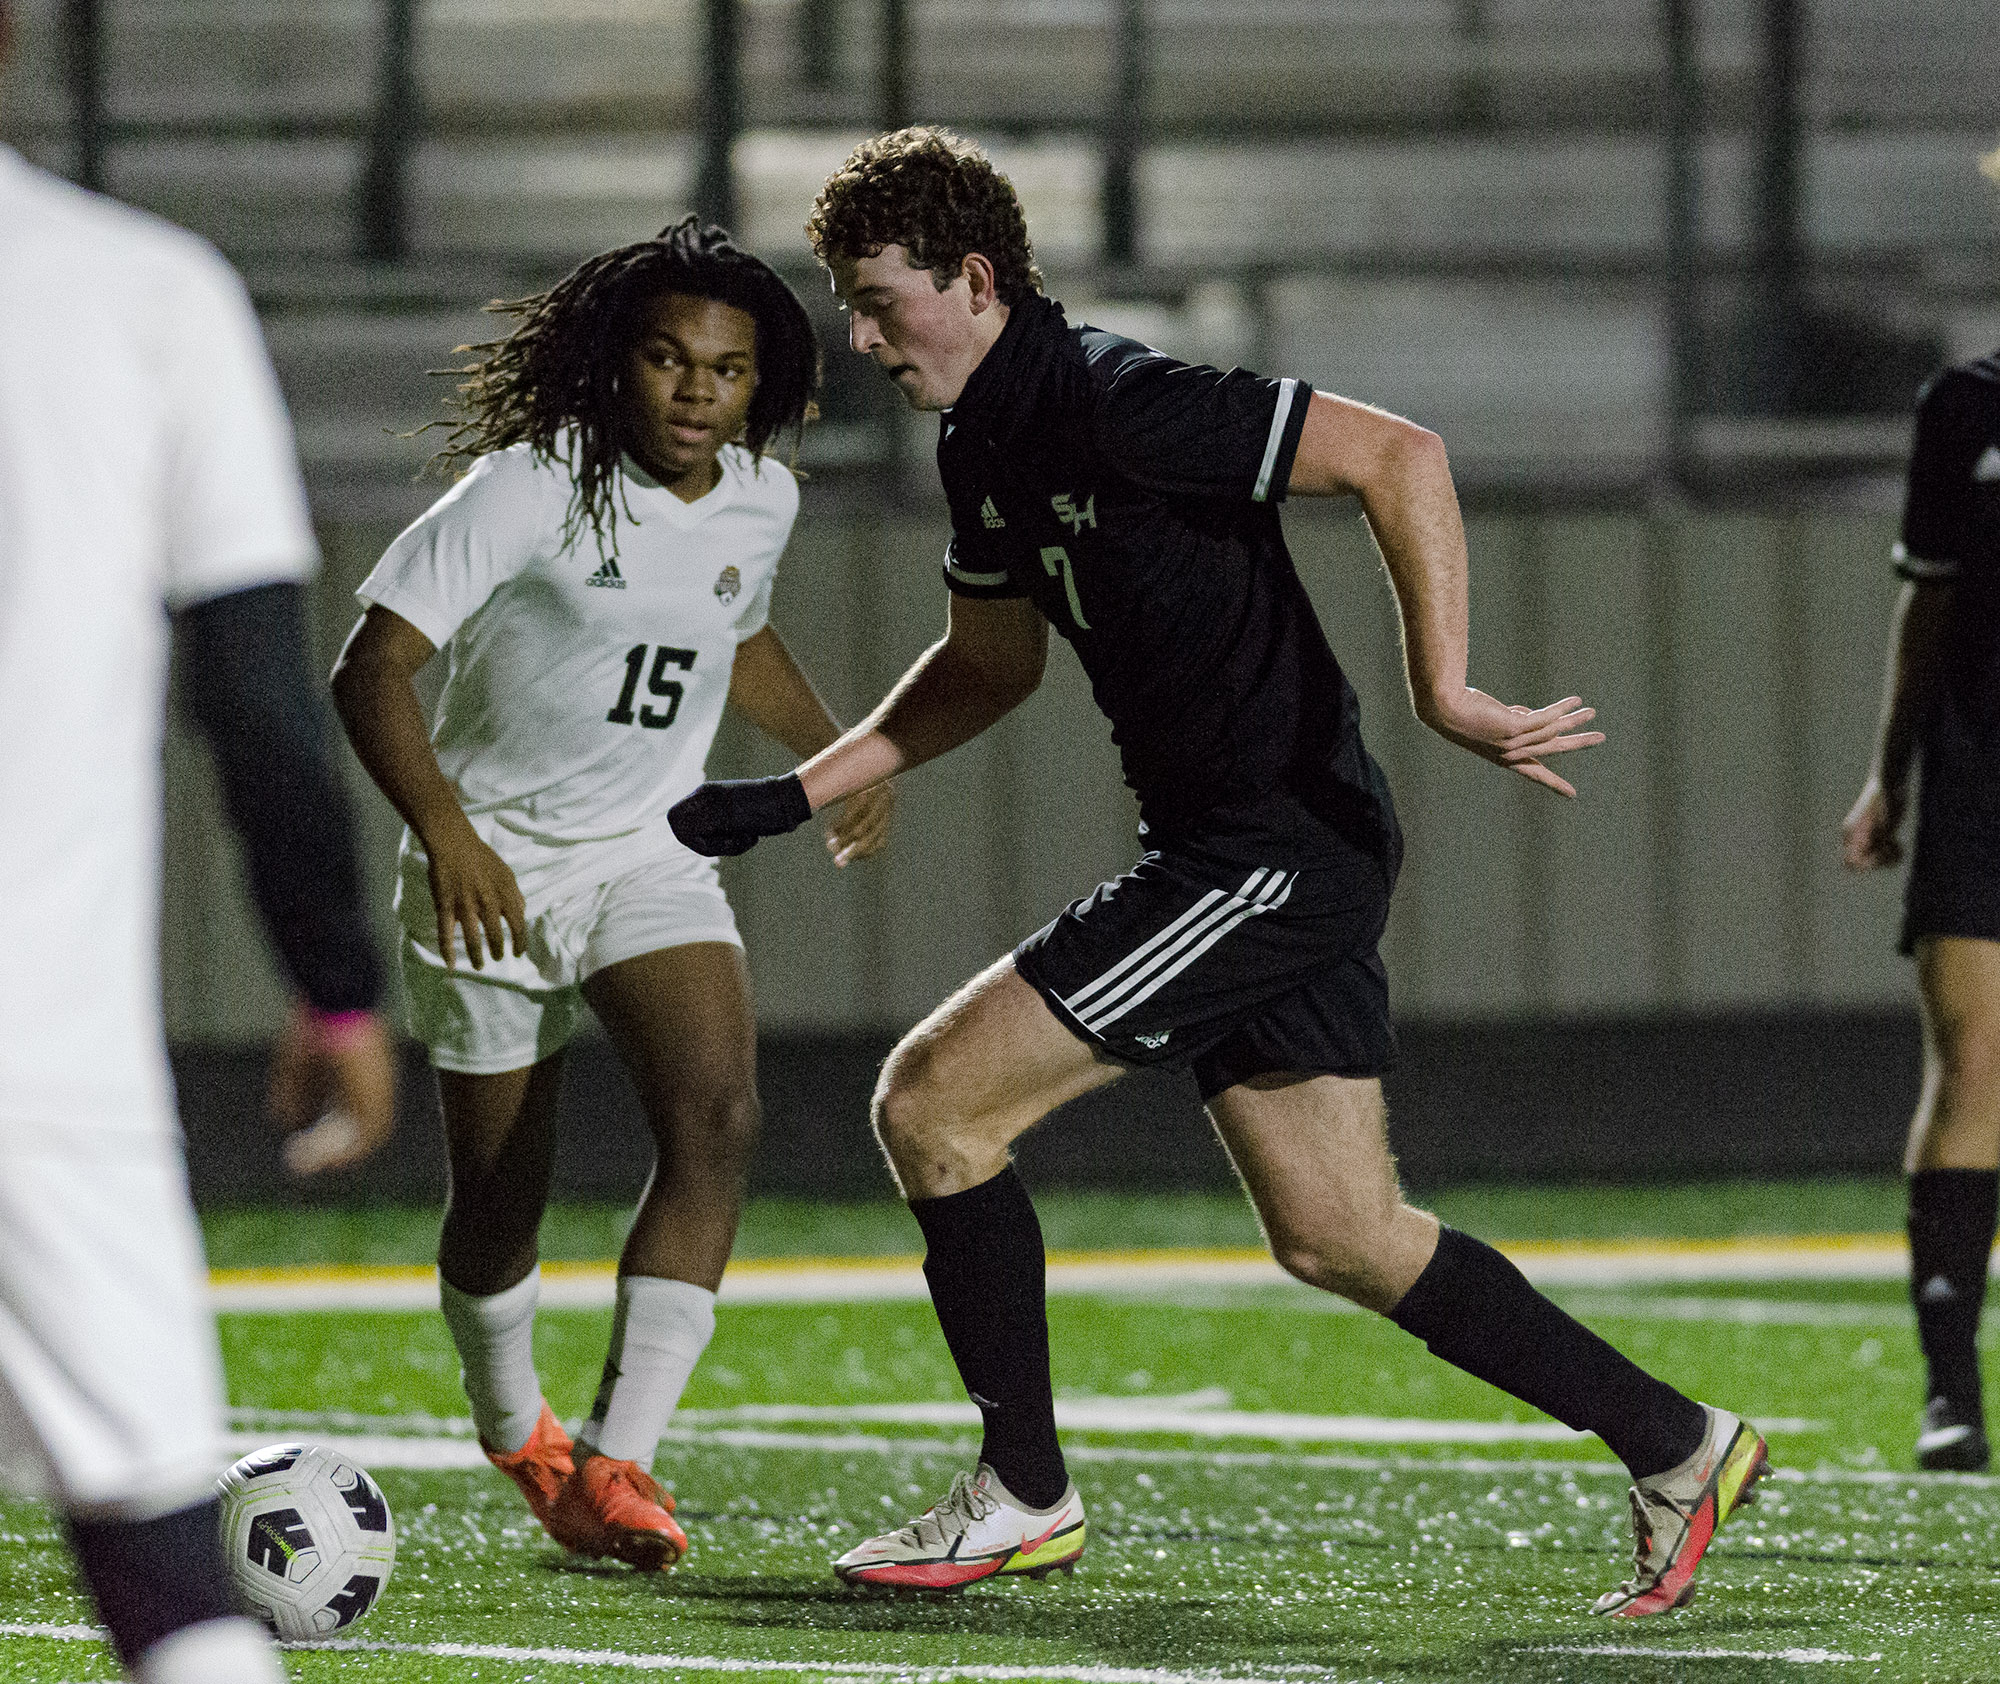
[{"x": 991, "y": 515}]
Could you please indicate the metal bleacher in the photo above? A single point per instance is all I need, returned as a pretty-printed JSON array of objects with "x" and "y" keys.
[{"x": 1453, "y": 207}]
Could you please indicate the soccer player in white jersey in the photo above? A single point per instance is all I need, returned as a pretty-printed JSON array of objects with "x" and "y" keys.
[
  {"x": 145, "y": 466},
  {"x": 600, "y": 582}
]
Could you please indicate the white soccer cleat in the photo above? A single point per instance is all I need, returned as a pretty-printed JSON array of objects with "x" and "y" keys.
[
  {"x": 1675, "y": 1515},
  {"x": 1953, "y": 1437},
  {"x": 977, "y": 1531}
]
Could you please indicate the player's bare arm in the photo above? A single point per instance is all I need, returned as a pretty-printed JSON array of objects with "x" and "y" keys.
[
  {"x": 1869, "y": 835},
  {"x": 1401, "y": 474},
  {"x": 768, "y": 688},
  {"x": 988, "y": 662},
  {"x": 376, "y": 698}
]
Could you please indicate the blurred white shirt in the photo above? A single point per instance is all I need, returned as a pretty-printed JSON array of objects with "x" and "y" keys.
[{"x": 146, "y": 463}]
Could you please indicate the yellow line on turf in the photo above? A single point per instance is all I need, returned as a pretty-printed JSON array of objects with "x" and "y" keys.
[{"x": 1818, "y": 1246}]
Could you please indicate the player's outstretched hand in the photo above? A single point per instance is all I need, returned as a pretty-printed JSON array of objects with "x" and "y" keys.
[
  {"x": 1518, "y": 738},
  {"x": 1868, "y": 837},
  {"x": 860, "y": 824},
  {"x": 732, "y": 815},
  {"x": 333, "y": 1088},
  {"x": 474, "y": 893}
]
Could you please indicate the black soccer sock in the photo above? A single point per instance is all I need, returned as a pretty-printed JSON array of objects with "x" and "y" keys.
[
  {"x": 1951, "y": 1237},
  {"x": 1476, "y": 1310},
  {"x": 988, "y": 1279},
  {"x": 152, "y": 1578}
]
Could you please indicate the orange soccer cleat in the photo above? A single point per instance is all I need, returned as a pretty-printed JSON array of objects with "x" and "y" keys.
[
  {"x": 626, "y": 1508},
  {"x": 542, "y": 1468}
]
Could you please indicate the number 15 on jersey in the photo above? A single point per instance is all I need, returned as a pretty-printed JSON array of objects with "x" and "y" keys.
[{"x": 657, "y": 684}]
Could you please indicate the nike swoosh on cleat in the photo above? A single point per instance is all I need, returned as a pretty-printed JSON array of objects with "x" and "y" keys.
[
  {"x": 928, "y": 1575},
  {"x": 1023, "y": 1560}
]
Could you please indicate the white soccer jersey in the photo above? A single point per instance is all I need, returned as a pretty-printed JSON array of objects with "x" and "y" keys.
[
  {"x": 145, "y": 462},
  {"x": 585, "y": 681}
]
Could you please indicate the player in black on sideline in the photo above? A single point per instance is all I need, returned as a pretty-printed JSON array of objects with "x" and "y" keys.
[
  {"x": 1941, "y": 709},
  {"x": 1132, "y": 502}
]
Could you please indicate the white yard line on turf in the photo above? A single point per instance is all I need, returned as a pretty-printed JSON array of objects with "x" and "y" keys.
[
  {"x": 1743, "y": 1312},
  {"x": 1144, "y": 1274},
  {"x": 619, "y": 1660},
  {"x": 452, "y": 1448},
  {"x": 1797, "y": 1657},
  {"x": 1198, "y": 1415},
  {"x": 1202, "y": 1414}
]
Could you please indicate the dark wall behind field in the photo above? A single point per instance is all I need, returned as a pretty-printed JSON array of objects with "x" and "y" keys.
[{"x": 1605, "y": 1100}]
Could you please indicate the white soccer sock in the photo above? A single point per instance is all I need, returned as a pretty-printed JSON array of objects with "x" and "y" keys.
[
  {"x": 496, "y": 1348},
  {"x": 658, "y": 1333},
  {"x": 213, "y": 1652}
]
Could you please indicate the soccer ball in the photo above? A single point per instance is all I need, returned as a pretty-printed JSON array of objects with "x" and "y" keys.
[{"x": 309, "y": 1538}]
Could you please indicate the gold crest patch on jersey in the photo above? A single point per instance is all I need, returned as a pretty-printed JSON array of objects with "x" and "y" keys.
[{"x": 728, "y": 582}]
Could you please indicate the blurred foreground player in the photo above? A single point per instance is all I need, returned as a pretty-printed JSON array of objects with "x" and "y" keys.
[
  {"x": 145, "y": 466},
  {"x": 1941, "y": 712},
  {"x": 1131, "y": 501},
  {"x": 600, "y": 582}
]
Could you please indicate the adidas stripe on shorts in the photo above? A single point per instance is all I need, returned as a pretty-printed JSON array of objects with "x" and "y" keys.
[{"x": 1243, "y": 945}]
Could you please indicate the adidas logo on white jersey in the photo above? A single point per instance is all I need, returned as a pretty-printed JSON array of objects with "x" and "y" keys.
[
  {"x": 1987, "y": 469},
  {"x": 991, "y": 515},
  {"x": 608, "y": 575}
]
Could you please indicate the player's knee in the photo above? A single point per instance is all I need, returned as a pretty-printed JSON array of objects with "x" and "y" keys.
[
  {"x": 1967, "y": 1046},
  {"x": 718, "y": 1121},
  {"x": 908, "y": 1096}
]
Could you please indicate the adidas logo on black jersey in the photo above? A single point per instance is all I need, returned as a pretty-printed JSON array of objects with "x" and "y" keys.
[
  {"x": 991, "y": 515},
  {"x": 608, "y": 575}
]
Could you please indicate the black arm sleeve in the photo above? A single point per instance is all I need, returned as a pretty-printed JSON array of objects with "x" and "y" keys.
[{"x": 247, "y": 683}]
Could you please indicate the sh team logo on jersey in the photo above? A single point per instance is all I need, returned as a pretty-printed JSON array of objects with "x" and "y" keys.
[
  {"x": 1071, "y": 515},
  {"x": 728, "y": 583}
]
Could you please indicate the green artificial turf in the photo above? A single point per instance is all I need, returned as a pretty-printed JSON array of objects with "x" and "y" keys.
[
  {"x": 1209, "y": 1558},
  {"x": 1235, "y": 1558},
  {"x": 254, "y": 1237}
]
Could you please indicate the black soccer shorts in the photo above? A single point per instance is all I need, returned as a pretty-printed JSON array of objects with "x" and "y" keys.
[{"x": 1245, "y": 945}]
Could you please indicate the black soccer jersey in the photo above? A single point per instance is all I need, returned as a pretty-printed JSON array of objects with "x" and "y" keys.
[
  {"x": 1951, "y": 532},
  {"x": 1134, "y": 499},
  {"x": 1951, "y": 514}
]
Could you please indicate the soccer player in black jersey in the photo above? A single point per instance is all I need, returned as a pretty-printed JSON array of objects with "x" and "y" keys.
[
  {"x": 1941, "y": 709},
  {"x": 1131, "y": 502}
]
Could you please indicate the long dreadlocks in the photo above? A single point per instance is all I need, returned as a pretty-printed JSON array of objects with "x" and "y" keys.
[{"x": 564, "y": 366}]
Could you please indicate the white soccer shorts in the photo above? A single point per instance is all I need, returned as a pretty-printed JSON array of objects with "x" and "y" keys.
[
  {"x": 524, "y": 1007},
  {"x": 110, "y": 1379}
]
